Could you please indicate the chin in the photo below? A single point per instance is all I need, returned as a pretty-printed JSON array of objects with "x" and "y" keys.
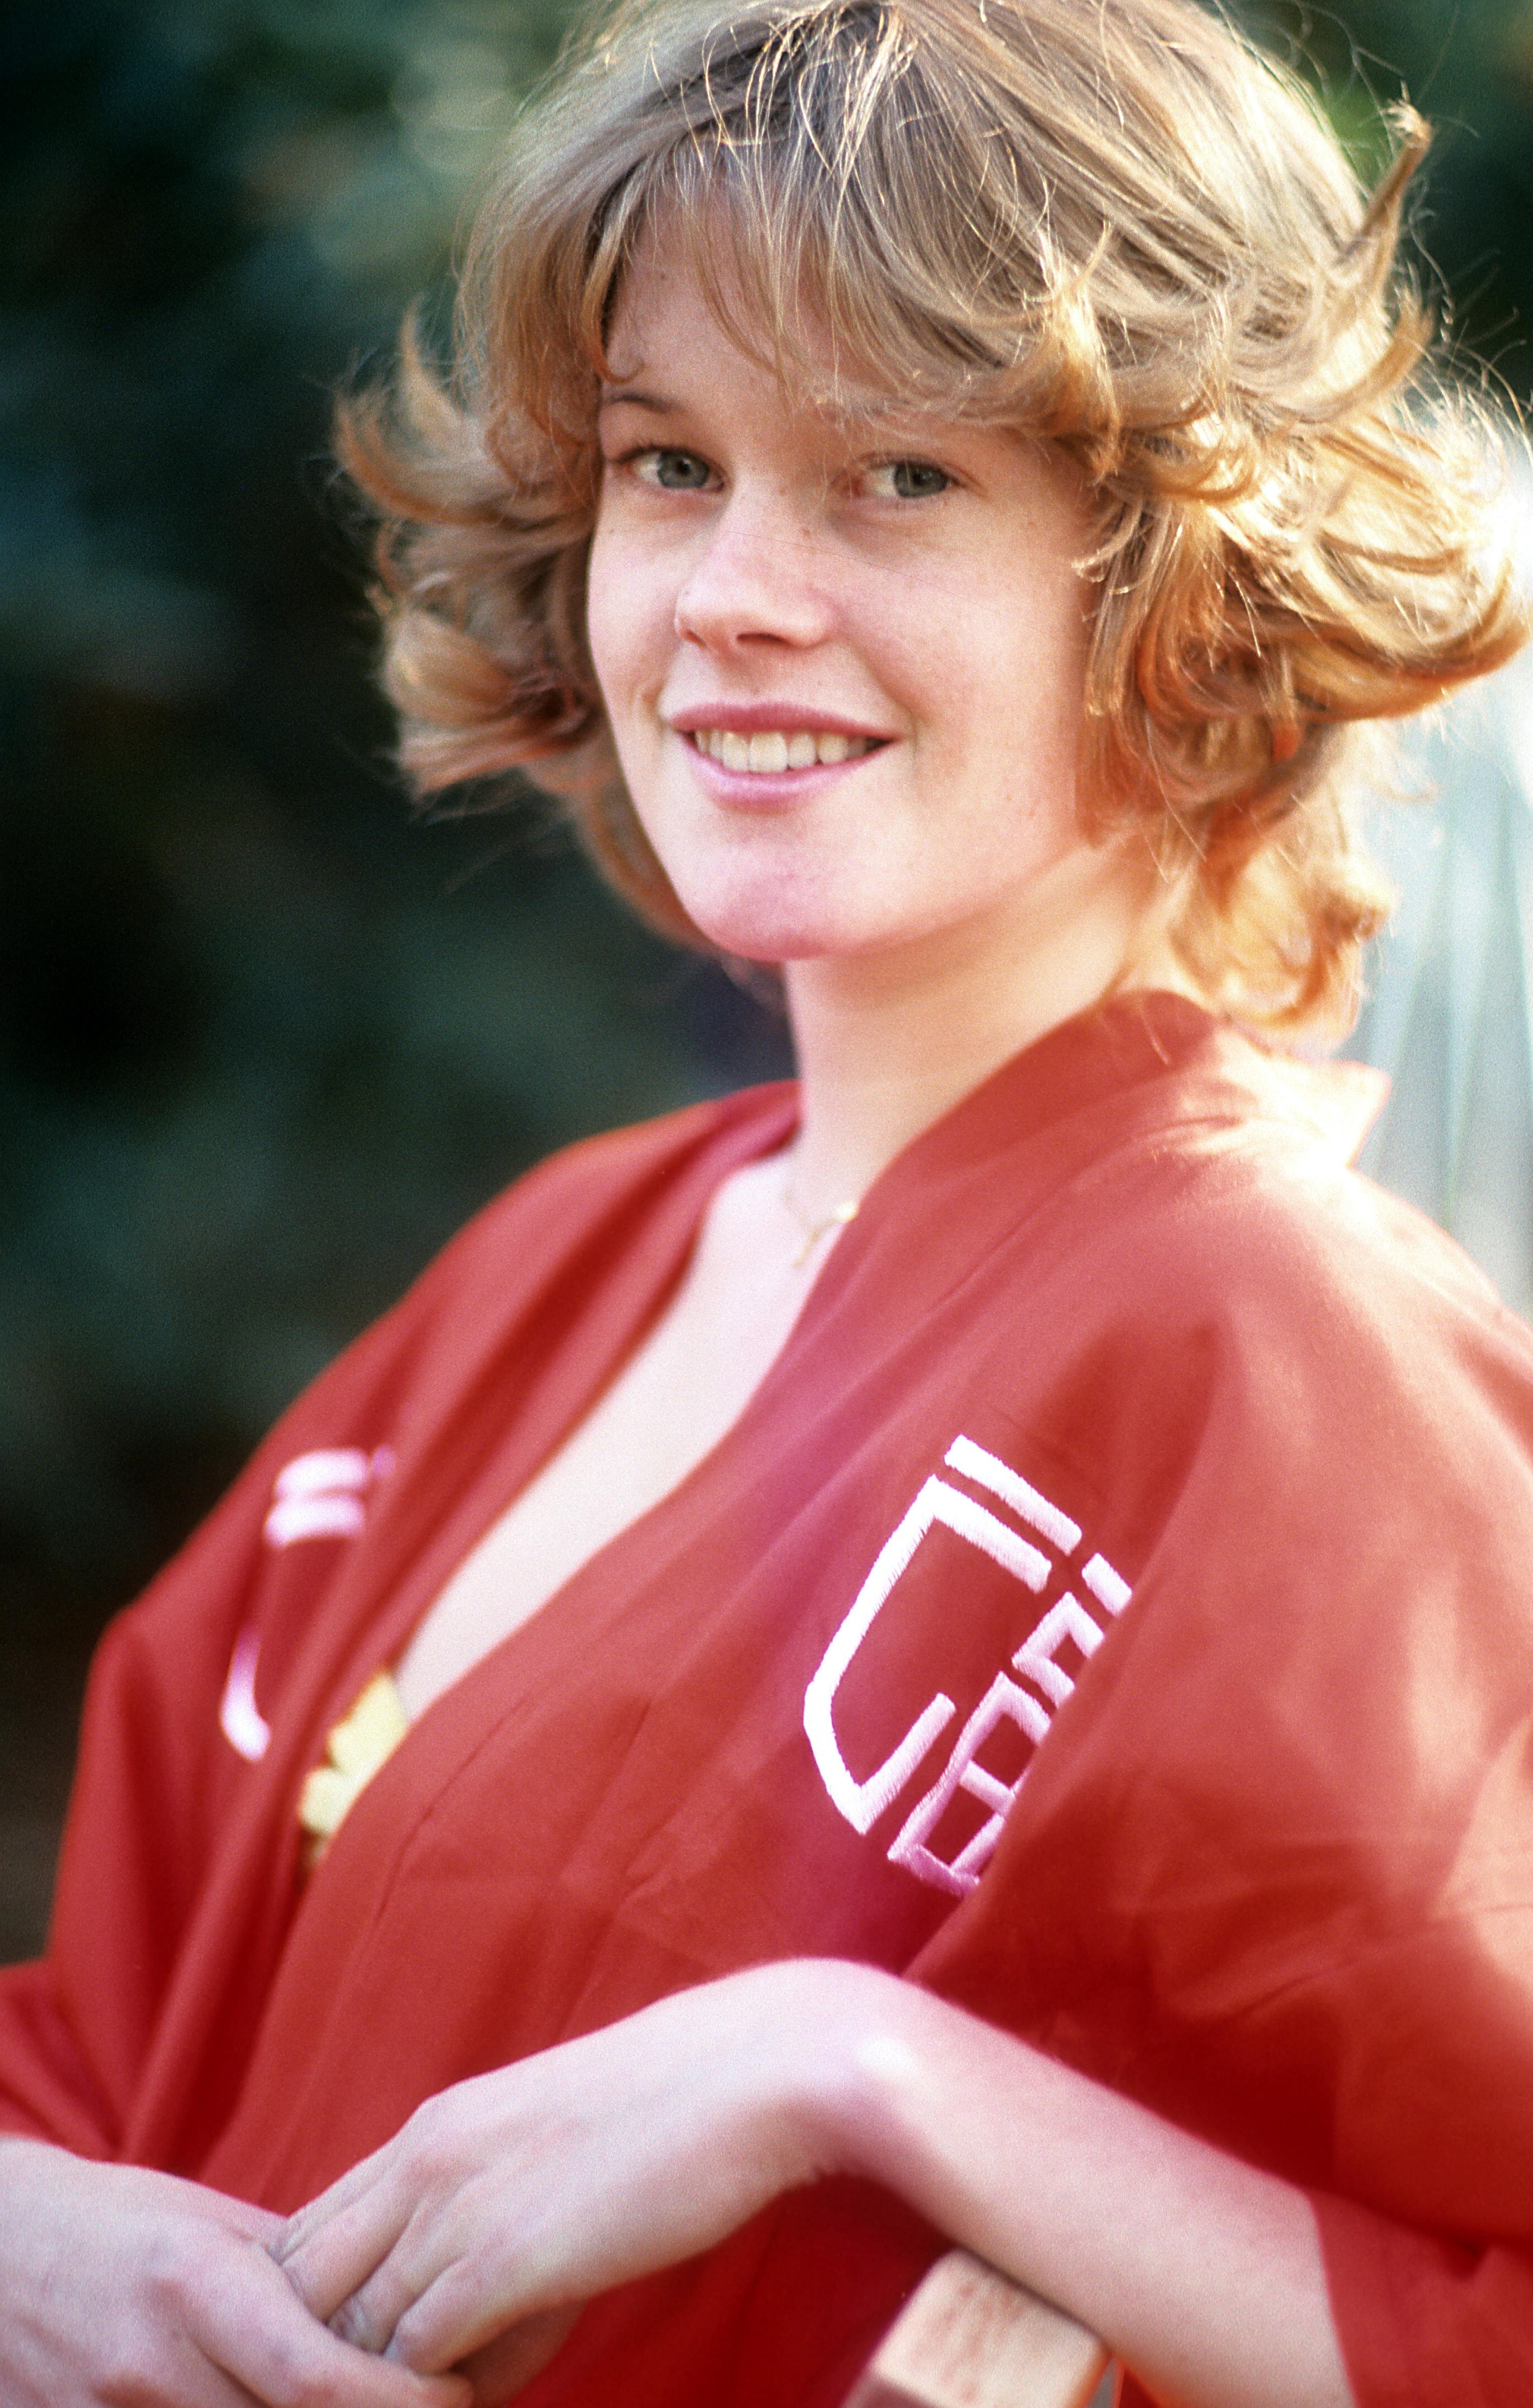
[
  {"x": 773, "y": 926},
  {"x": 747, "y": 937}
]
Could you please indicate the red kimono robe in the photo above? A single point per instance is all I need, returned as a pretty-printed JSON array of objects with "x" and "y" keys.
[{"x": 1114, "y": 1608}]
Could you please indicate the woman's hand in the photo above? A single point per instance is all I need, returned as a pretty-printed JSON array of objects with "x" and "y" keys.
[
  {"x": 514, "y": 2197},
  {"x": 523, "y": 2192},
  {"x": 123, "y": 2288}
]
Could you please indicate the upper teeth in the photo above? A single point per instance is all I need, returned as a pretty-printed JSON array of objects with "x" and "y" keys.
[{"x": 776, "y": 749}]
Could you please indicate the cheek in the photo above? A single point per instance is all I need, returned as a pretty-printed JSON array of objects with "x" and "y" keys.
[
  {"x": 993, "y": 639},
  {"x": 608, "y": 632},
  {"x": 630, "y": 614},
  {"x": 627, "y": 624},
  {"x": 635, "y": 572},
  {"x": 1030, "y": 668}
]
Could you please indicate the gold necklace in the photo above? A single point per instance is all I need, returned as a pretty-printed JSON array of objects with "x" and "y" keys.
[{"x": 812, "y": 1231}]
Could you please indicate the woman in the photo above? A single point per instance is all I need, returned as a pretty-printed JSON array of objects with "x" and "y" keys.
[{"x": 944, "y": 1653}]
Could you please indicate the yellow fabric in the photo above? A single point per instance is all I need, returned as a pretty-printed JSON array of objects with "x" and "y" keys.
[{"x": 354, "y": 1749}]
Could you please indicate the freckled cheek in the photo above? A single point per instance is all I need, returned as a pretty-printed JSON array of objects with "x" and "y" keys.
[
  {"x": 630, "y": 624},
  {"x": 609, "y": 625},
  {"x": 968, "y": 654}
]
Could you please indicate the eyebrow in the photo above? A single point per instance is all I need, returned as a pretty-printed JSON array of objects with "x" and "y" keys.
[{"x": 632, "y": 399}]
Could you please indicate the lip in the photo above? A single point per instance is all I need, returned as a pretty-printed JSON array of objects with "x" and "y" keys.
[
  {"x": 768, "y": 718},
  {"x": 767, "y": 792}
]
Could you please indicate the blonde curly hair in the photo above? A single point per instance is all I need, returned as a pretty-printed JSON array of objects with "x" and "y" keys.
[{"x": 1113, "y": 225}]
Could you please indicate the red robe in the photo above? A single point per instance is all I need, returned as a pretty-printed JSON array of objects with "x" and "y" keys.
[{"x": 1127, "y": 1443}]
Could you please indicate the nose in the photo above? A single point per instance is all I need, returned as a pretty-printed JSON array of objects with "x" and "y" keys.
[{"x": 759, "y": 576}]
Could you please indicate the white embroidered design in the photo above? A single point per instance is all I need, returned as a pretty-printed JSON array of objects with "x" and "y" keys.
[
  {"x": 241, "y": 1719},
  {"x": 317, "y": 1496},
  {"x": 1036, "y": 1655},
  {"x": 863, "y": 1801},
  {"x": 1105, "y": 1584},
  {"x": 1066, "y": 1621},
  {"x": 320, "y": 1495},
  {"x": 1003, "y": 1700},
  {"x": 989, "y": 1471}
]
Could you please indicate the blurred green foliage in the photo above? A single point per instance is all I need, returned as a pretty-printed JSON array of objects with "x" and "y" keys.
[
  {"x": 265, "y": 1037},
  {"x": 1468, "y": 65}
]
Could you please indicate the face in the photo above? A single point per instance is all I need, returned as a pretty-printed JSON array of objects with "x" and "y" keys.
[{"x": 843, "y": 662}]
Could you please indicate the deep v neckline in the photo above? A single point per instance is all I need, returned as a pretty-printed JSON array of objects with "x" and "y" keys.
[
  {"x": 545, "y": 1424},
  {"x": 1144, "y": 1032},
  {"x": 657, "y": 1412}
]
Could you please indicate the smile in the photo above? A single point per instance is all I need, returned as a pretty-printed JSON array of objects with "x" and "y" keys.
[{"x": 772, "y": 751}]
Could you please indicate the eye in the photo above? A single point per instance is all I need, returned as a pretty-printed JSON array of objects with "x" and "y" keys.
[
  {"x": 907, "y": 481},
  {"x": 674, "y": 472}
]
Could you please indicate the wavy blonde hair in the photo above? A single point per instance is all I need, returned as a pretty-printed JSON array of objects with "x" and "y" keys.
[{"x": 1110, "y": 225}]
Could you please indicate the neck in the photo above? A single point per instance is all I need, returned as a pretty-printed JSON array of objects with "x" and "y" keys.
[{"x": 887, "y": 1041}]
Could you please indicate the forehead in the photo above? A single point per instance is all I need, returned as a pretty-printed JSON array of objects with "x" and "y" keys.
[
  {"x": 664, "y": 294},
  {"x": 689, "y": 294}
]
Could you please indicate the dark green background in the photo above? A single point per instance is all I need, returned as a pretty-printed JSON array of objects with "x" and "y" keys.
[{"x": 266, "y": 1036}]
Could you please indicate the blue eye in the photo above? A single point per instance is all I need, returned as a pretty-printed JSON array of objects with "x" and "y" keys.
[
  {"x": 908, "y": 480},
  {"x": 674, "y": 472}
]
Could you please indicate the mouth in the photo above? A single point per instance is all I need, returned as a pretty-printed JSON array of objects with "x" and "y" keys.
[{"x": 766, "y": 752}]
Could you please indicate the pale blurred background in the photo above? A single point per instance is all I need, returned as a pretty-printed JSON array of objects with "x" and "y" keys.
[{"x": 265, "y": 1037}]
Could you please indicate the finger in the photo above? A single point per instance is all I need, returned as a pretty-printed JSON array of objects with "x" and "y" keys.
[
  {"x": 312, "y": 2218},
  {"x": 249, "y": 2323},
  {"x": 330, "y": 2263},
  {"x": 469, "y": 2305},
  {"x": 370, "y": 2317},
  {"x": 448, "y": 2301}
]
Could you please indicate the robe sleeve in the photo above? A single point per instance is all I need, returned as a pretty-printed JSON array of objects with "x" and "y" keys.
[
  {"x": 176, "y": 1796},
  {"x": 1278, "y": 1885},
  {"x": 1424, "y": 2323},
  {"x": 159, "y": 1774}
]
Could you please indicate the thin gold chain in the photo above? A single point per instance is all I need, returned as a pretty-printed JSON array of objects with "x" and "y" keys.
[{"x": 812, "y": 1231}]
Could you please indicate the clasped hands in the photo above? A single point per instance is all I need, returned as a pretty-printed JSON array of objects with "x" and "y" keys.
[
  {"x": 445, "y": 2269},
  {"x": 470, "y": 2241}
]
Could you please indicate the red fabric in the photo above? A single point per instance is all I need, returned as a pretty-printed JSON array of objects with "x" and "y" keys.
[{"x": 1271, "y": 1870}]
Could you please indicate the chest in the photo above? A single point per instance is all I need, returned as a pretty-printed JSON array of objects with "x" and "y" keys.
[
  {"x": 663, "y": 1412},
  {"x": 782, "y": 1715}
]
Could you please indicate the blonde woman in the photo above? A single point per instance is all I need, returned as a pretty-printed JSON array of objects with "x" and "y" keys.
[{"x": 944, "y": 1652}]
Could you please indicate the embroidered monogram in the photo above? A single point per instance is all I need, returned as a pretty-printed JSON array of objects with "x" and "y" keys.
[
  {"x": 241, "y": 1719},
  {"x": 322, "y": 1495},
  {"x": 1068, "y": 1622}
]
